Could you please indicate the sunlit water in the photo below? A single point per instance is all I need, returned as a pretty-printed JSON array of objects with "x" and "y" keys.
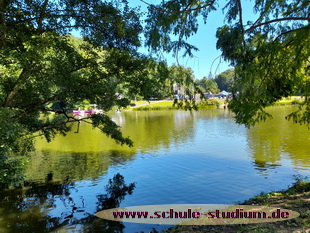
[{"x": 178, "y": 158}]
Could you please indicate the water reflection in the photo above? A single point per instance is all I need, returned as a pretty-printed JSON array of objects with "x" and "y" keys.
[
  {"x": 148, "y": 130},
  {"x": 274, "y": 141},
  {"x": 116, "y": 192},
  {"x": 73, "y": 166},
  {"x": 49, "y": 207},
  {"x": 178, "y": 157},
  {"x": 90, "y": 153}
]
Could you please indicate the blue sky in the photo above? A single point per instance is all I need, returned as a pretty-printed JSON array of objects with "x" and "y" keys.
[
  {"x": 205, "y": 60},
  {"x": 205, "y": 40}
]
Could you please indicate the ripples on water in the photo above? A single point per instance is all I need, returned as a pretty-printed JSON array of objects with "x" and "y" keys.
[{"x": 179, "y": 158}]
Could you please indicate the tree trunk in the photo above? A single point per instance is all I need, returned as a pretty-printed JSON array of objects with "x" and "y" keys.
[{"x": 19, "y": 84}]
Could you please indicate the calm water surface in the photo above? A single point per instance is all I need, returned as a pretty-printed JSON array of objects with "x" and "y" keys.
[{"x": 178, "y": 158}]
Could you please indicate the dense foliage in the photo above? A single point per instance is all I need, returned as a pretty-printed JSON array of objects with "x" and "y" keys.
[
  {"x": 208, "y": 85},
  {"x": 270, "y": 55},
  {"x": 44, "y": 71},
  {"x": 225, "y": 80}
]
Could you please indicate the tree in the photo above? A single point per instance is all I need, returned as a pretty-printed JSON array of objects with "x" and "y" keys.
[
  {"x": 42, "y": 66},
  {"x": 159, "y": 80},
  {"x": 182, "y": 79},
  {"x": 182, "y": 76},
  {"x": 270, "y": 55},
  {"x": 201, "y": 83},
  {"x": 212, "y": 86},
  {"x": 225, "y": 80},
  {"x": 150, "y": 80},
  {"x": 207, "y": 84}
]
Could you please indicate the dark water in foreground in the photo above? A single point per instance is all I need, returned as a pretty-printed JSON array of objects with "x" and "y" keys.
[{"x": 178, "y": 158}]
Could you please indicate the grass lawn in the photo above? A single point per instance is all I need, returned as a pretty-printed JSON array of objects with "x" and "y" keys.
[
  {"x": 156, "y": 105},
  {"x": 144, "y": 105},
  {"x": 168, "y": 105},
  {"x": 165, "y": 103},
  {"x": 140, "y": 102},
  {"x": 290, "y": 100}
]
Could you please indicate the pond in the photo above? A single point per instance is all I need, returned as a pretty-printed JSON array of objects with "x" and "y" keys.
[{"x": 178, "y": 157}]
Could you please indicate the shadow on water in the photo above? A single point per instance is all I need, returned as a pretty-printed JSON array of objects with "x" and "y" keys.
[{"x": 31, "y": 209}]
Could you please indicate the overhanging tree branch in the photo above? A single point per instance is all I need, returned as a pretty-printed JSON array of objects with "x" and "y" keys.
[
  {"x": 276, "y": 20},
  {"x": 286, "y": 32},
  {"x": 42, "y": 14},
  {"x": 48, "y": 16},
  {"x": 2, "y": 7},
  {"x": 241, "y": 21},
  {"x": 185, "y": 10}
]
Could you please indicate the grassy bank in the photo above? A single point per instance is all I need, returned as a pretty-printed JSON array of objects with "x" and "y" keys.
[
  {"x": 164, "y": 105},
  {"x": 294, "y": 100},
  {"x": 205, "y": 104},
  {"x": 168, "y": 105},
  {"x": 296, "y": 198}
]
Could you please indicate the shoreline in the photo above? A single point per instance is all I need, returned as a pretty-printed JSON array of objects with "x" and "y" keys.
[
  {"x": 205, "y": 104},
  {"x": 296, "y": 198}
]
